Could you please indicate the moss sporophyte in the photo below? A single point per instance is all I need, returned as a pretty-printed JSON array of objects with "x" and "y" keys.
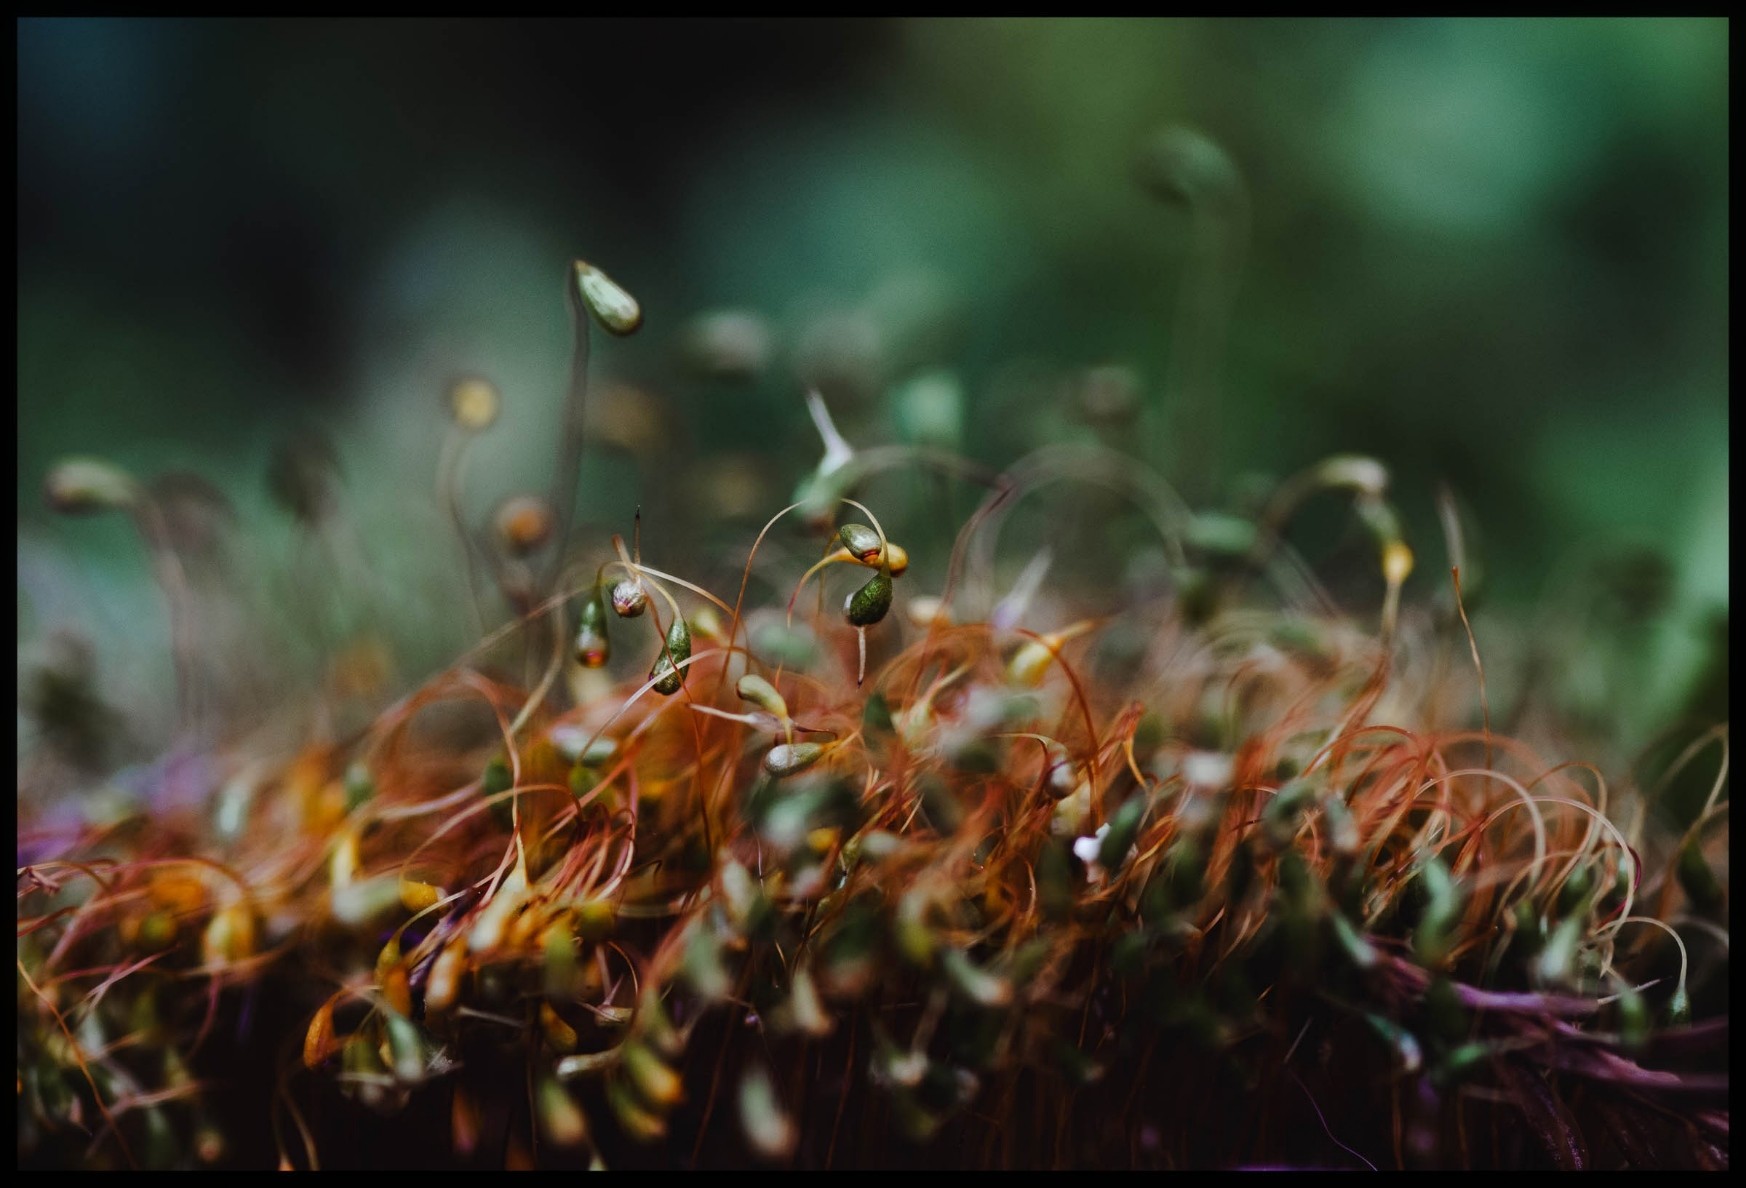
[{"x": 1207, "y": 870}]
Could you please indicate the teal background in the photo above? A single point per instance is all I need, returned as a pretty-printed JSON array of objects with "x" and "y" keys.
[{"x": 1490, "y": 253}]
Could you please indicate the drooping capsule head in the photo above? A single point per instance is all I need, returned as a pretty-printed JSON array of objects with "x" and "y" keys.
[
  {"x": 630, "y": 598},
  {"x": 593, "y": 649},
  {"x": 667, "y": 664},
  {"x": 524, "y": 523},
  {"x": 1029, "y": 663},
  {"x": 861, "y": 541},
  {"x": 82, "y": 486},
  {"x": 612, "y": 307},
  {"x": 787, "y": 758},
  {"x": 863, "y": 545},
  {"x": 763, "y": 694},
  {"x": 870, "y": 603},
  {"x": 474, "y": 403}
]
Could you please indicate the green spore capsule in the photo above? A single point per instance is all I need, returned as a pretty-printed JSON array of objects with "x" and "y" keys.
[
  {"x": 870, "y": 603},
  {"x": 677, "y": 651},
  {"x": 786, "y": 759},
  {"x": 593, "y": 649},
  {"x": 861, "y": 541},
  {"x": 612, "y": 307}
]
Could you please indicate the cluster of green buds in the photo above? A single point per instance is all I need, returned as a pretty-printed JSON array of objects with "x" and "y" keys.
[
  {"x": 857, "y": 544},
  {"x": 629, "y": 599}
]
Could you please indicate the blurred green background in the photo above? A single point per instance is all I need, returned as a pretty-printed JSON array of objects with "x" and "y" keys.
[{"x": 1490, "y": 253}]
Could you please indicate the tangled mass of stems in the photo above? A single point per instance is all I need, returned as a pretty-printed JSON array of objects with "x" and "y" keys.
[{"x": 1222, "y": 877}]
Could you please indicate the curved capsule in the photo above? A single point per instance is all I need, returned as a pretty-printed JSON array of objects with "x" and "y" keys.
[
  {"x": 763, "y": 694},
  {"x": 861, "y": 541},
  {"x": 870, "y": 603},
  {"x": 787, "y": 758},
  {"x": 611, "y": 306},
  {"x": 677, "y": 651}
]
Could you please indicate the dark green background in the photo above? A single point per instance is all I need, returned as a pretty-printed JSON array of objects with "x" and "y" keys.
[{"x": 1491, "y": 253}]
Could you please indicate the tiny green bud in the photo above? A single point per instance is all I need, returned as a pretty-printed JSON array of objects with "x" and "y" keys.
[
  {"x": 1679, "y": 1007},
  {"x": 612, "y": 307},
  {"x": 763, "y": 694},
  {"x": 870, "y": 603},
  {"x": 677, "y": 651}
]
